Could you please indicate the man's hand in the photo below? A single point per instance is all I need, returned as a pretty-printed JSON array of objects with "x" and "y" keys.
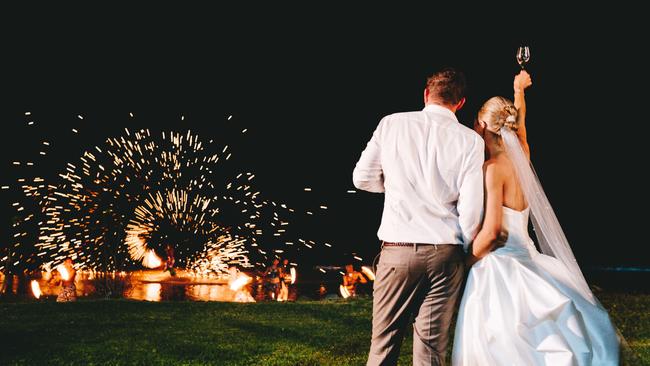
[
  {"x": 500, "y": 241},
  {"x": 470, "y": 259}
]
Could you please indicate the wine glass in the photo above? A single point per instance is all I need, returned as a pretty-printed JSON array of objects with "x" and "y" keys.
[{"x": 523, "y": 56}]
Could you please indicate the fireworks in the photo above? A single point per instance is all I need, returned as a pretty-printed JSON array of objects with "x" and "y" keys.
[
  {"x": 294, "y": 275},
  {"x": 345, "y": 293},
  {"x": 241, "y": 281},
  {"x": 121, "y": 203},
  {"x": 36, "y": 289},
  {"x": 368, "y": 272},
  {"x": 150, "y": 259},
  {"x": 65, "y": 275}
]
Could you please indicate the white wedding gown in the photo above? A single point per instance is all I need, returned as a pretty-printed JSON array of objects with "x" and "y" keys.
[{"x": 519, "y": 308}]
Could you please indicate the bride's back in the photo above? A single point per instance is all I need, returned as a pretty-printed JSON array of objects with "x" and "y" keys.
[{"x": 513, "y": 195}]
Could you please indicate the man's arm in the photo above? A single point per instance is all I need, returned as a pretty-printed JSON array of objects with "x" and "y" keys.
[
  {"x": 470, "y": 198},
  {"x": 368, "y": 174}
]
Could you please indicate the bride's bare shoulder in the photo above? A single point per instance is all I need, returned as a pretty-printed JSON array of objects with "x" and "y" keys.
[{"x": 499, "y": 165}]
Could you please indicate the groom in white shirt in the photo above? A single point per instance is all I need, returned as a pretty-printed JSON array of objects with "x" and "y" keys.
[{"x": 429, "y": 167}]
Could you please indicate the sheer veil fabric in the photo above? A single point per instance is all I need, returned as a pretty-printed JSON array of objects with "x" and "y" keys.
[
  {"x": 550, "y": 235},
  {"x": 523, "y": 307},
  {"x": 548, "y": 231}
]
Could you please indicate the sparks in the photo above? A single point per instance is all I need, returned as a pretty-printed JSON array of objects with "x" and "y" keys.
[
  {"x": 344, "y": 291},
  {"x": 36, "y": 289},
  {"x": 150, "y": 192},
  {"x": 368, "y": 272}
]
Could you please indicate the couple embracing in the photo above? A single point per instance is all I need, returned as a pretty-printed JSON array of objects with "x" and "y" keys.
[{"x": 458, "y": 202}]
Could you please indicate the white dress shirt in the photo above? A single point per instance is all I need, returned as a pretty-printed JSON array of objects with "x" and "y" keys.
[{"x": 430, "y": 168}]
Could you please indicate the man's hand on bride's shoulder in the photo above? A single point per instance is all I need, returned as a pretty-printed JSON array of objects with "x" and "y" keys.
[{"x": 522, "y": 81}]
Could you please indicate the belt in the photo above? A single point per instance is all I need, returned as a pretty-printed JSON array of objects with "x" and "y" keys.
[{"x": 401, "y": 244}]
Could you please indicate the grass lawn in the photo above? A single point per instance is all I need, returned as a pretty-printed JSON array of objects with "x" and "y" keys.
[{"x": 120, "y": 332}]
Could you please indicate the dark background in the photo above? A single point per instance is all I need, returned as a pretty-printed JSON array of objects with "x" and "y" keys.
[{"x": 311, "y": 85}]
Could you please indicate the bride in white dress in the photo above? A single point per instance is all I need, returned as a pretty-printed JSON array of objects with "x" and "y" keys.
[{"x": 522, "y": 307}]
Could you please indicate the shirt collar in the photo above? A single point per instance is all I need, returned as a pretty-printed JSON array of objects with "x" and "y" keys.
[{"x": 440, "y": 110}]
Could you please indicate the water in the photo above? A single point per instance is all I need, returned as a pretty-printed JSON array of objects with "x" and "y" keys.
[
  {"x": 160, "y": 286},
  {"x": 619, "y": 279},
  {"x": 310, "y": 285}
]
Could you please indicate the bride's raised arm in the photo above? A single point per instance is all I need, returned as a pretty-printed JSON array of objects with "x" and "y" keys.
[{"x": 522, "y": 81}]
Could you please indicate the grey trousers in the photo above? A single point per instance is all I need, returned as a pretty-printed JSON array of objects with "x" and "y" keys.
[{"x": 421, "y": 281}]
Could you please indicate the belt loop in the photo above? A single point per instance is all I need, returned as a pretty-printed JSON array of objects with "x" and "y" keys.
[{"x": 415, "y": 247}]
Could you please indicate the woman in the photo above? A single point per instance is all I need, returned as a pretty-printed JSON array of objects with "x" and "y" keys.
[
  {"x": 521, "y": 307},
  {"x": 68, "y": 288}
]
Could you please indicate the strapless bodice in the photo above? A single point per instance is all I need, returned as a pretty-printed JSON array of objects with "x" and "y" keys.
[
  {"x": 515, "y": 224},
  {"x": 520, "y": 307}
]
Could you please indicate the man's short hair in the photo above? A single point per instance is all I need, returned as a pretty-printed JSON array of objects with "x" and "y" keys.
[{"x": 447, "y": 86}]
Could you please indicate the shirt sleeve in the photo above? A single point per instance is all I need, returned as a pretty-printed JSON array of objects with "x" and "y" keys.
[
  {"x": 470, "y": 198},
  {"x": 368, "y": 174}
]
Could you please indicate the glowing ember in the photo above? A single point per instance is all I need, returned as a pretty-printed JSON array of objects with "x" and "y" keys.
[
  {"x": 344, "y": 291},
  {"x": 47, "y": 275},
  {"x": 368, "y": 272},
  {"x": 152, "y": 292},
  {"x": 241, "y": 281},
  {"x": 243, "y": 296},
  {"x": 294, "y": 275},
  {"x": 151, "y": 260},
  {"x": 284, "y": 292},
  {"x": 65, "y": 275},
  {"x": 36, "y": 289}
]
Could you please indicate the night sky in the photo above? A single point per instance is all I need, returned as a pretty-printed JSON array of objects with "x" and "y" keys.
[{"x": 311, "y": 90}]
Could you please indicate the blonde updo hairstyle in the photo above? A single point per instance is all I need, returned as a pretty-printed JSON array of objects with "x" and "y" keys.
[{"x": 498, "y": 112}]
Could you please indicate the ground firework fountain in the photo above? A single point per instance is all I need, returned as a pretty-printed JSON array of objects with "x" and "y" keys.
[{"x": 121, "y": 203}]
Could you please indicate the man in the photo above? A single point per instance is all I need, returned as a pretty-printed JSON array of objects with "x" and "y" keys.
[
  {"x": 285, "y": 284},
  {"x": 68, "y": 276},
  {"x": 272, "y": 276},
  {"x": 170, "y": 261},
  {"x": 429, "y": 167},
  {"x": 351, "y": 278}
]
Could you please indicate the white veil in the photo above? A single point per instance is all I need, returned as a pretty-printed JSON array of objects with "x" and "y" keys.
[{"x": 550, "y": 236}]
